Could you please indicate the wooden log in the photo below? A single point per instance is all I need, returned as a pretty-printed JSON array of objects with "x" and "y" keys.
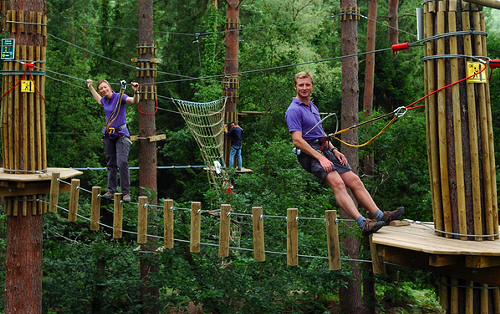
[
  {"x": 444, "y": 296},
  {"x": 494, "y": 209},
  {"x": 258, "y": 235},
  {"x": 332, "y": 239},
  {"x": 168, "y": 223},
  {"x": 377, "y": 259},
  {"x": 454, "y": 295},
  {"x": 496, "y": 301},
  {"x": 485, "y": 300},
  {"x": 225, "y": 210},
  {"x": 469, "y": 298},
  {"x": 485, "y": 138},
  {"x": 473, "y": 130},
  {"x": 431, "y": 125},
  {"x": 15, "y": 126},
  {"x": 42, "y": 90},
  {"x": 73, "y": 200},
  {"x": 441, "y": 117},
  {"x": 142, "y": 220},
  {"x": 457, "y": 129},
  {"x": 292, "y": 236},
  {"x": 117, "y": 216},
  {"x": 54, "y": 192},
  {"x": 95, "y": 205},
  {"x": 195, "y": 227}
]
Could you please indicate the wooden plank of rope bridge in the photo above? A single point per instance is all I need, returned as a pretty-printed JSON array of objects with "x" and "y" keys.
[
  {"x": 332, "y": 239},
  {"x": 292, "y": 237},
  {"x": 95, "y": 213},
  {"x": 117, "y": 216},
  {"x": 73, "y": 200},
  {"x": 225, "y": 222},
  {"x": 54, "y": 192},
  {"x": 168, "y": 223},
  {"x": 258, "y": 234},
  {"x": 142, "y": 220},
  {"x": 195, "y": 227}
]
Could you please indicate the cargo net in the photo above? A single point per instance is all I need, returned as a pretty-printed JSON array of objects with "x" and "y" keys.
[{"x": 206, "y": 123}]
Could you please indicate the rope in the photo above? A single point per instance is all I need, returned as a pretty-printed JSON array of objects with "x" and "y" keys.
[
  {"x": 399, "y": 111},
  {"x": 205, "y": 122}
]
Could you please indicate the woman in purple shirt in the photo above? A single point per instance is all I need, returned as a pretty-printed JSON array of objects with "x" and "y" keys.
[{"x": 116, "y": 135}]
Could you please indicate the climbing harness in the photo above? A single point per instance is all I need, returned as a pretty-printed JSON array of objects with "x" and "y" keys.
[{"x": 115, "y": 112}]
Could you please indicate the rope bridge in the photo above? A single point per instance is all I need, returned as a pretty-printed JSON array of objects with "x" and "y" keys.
[{"x": 206, "y": 123}]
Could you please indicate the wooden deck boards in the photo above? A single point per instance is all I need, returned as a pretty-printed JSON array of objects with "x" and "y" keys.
[{"x": 419, "y": 238}]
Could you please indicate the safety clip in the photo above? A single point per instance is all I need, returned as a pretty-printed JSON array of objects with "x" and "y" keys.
[
  {"x": 123, "y": 84},
  {"x": 401, "y": 111}
]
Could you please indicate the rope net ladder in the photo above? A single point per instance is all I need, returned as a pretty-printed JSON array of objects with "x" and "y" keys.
[{"x": 206, "y": 123}]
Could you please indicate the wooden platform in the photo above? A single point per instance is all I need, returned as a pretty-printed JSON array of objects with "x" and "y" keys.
[
  {"x": 33, "y": 183},
  {"x": 419, "y": 247}
]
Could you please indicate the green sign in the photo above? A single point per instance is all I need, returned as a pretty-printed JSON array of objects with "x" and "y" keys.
[{"x": 8, "y": 45}]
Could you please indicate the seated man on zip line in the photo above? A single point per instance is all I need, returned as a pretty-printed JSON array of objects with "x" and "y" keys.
[
  {"x": 318, "y": 156},
  {"x": 116, "y": 135}
]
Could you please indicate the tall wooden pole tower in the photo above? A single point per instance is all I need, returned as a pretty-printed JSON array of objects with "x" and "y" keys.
[
  {"x": 25, "y": 179},
  {"x": 460, "y": 141},
  {"x": 146, "y": 71},
  {"x": 231, "y": 82}
]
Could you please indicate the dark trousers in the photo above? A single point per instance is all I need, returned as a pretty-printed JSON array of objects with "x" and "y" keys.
[{"x": 117, "y": 158}]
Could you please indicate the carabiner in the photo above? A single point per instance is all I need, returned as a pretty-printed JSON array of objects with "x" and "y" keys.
[{"x": 401, "y": 111}]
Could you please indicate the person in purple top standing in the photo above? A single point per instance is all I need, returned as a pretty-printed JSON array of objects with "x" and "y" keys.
[
  {"x": 116, "y": 135},
  {"x": 317, "y": 155}
]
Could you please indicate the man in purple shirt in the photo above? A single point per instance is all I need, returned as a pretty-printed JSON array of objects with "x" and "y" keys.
[
  {"x": 318, "y": 156},
  {"x": 116, "y": 135}
]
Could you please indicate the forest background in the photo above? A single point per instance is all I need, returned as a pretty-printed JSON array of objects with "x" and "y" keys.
[{"x": 96, "y": 39}]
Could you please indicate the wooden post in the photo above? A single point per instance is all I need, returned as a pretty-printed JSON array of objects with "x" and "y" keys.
[
  {"x": 54, "y": 192},
  {"x": 258, "y": 235},
  {"x": 168, "y": 223},
  {"x": 195, "y": 227},
  {"x": 332, "y": 239},
  {"x": 95, "y": 214},
  {"x": 292, "y": 236},
  {"x": 73, "y": 200},
  {"x": 117, "y": 216},
  {"x": 225, "y": 210},
  {"x": 142, "y": 220}
]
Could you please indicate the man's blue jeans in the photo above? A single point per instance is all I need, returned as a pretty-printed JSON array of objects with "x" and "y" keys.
[{"x": 235, "y": 151}]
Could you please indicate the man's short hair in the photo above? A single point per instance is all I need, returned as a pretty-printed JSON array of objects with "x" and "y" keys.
[{"x": 303, "y": 75}]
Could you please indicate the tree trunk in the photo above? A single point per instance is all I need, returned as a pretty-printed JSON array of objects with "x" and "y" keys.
[
  {"x": 369, "y": 299},
  {"x": 350, "y": 298},
  {"x": 231, "y": 79},
  {"x": 393, "y": 22},
  {"x": 147, "y": 149}
]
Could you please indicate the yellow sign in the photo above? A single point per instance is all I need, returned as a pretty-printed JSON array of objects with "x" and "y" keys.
[
  {"x": 473, "y": 68},
  {"x": 27, "y": 86}
]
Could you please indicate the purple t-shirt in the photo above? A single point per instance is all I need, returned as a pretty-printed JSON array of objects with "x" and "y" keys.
[
  {"x": 121, "y": 118},
  {"x": 301, "y": 117}
]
